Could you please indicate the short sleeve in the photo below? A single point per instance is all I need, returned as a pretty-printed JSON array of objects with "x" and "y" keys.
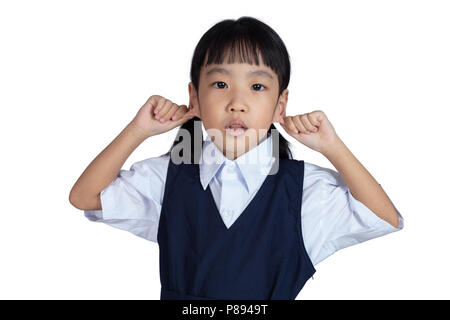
[
  {"x": 133, "y": 200},
  {"x": 332, "y": 219}
]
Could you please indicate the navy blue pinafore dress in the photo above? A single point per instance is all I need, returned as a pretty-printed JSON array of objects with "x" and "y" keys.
[{"x": 260, "y": 257}]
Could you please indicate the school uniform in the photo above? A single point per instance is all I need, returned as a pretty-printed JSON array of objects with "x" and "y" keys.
[{"x": 237, "y": 229}]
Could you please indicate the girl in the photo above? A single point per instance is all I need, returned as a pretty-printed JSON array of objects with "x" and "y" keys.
[{"x": 235, "y": 217}]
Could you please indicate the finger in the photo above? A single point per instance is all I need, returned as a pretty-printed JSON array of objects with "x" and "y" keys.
[
  {"x": 180, "y": 119},
  {"x": 188, "y": 116},
  {"x": 290, "y": 125},
  {"x": 191, "y": 112},
  {"x": 305, "y": 121},
  {"x": 284, "y": 123},
  {"x": 313, "y": 119},
  {"x": 179, "y": 112},
  {"x": 281, "y": 120},
  {"x": 170, "y": 112},
  {"x": 159, "y": 106},
  {"x": 164, "y": 110},
  {"x": 300, "y": 126},
  {"x": 153, "y": 101}
]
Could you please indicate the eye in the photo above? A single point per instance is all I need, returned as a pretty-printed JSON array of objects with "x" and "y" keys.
[
  {"x": 218, "y": 82},
  {"x": 258, "y": 84}
]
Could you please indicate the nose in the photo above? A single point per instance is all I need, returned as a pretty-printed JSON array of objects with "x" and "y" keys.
[{"x": 237, "y": 107}]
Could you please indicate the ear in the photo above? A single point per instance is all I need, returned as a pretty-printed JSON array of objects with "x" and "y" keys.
[
  {"x": 194, "y": 109},
  {"x": 280, "y": 109}
]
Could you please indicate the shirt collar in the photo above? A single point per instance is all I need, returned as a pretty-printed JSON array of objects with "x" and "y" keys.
[{"x": 254, "y": 164}]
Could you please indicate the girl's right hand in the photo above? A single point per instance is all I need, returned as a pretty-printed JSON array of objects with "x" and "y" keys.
[{"x": 159, "y": 115}]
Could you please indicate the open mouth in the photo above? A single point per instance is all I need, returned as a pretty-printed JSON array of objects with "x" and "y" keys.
[
  {"x": 236, "y": 128},
  {"x": 235, "y": 131}
]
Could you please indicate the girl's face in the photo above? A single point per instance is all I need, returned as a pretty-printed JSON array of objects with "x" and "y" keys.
[{"x": 237, "y": 91}]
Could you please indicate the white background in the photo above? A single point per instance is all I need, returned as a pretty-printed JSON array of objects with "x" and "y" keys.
[{"x": 74, "y": 73}]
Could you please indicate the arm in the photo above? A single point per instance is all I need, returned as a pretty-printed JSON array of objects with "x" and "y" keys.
[
  {"x": 85, "y": 194},
  {"x": 315, "y": 131},
  {"x": 360, "y": 182}
]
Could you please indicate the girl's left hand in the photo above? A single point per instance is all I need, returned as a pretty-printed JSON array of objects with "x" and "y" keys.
[{"x": 312, "y": 129}]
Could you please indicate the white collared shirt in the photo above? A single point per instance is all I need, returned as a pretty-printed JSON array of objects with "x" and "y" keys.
[{"x": 332, "y": 219}]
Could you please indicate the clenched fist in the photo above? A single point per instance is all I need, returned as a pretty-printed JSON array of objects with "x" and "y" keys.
[
  {"x": 312, "y": 129},
  {"x": 159, "y": 115}
]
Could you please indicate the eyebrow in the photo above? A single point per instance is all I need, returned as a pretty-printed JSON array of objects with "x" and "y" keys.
[{"x": 249, "y": 74}]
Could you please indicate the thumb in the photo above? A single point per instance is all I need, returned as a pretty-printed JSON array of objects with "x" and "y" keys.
[
  {"x": 189, "y": 115},
  {"x": 186, "y": 117}
]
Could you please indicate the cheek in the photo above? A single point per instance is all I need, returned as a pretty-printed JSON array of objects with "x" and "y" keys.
[
  {"x": 266, "y": 116},
  {"x": 212, "y": 118},
  {"x": 210, "y": 97}
]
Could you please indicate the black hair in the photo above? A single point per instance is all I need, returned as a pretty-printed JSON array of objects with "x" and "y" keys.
[{"x": 243, "y": 39}]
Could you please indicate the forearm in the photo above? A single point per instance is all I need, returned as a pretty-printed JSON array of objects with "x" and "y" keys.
[
  {"x": 105, "y": 167},
  {"x": 360, "y": 182}
]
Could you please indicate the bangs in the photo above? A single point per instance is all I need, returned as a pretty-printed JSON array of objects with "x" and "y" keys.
[{"x": 234, "y": 51}]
